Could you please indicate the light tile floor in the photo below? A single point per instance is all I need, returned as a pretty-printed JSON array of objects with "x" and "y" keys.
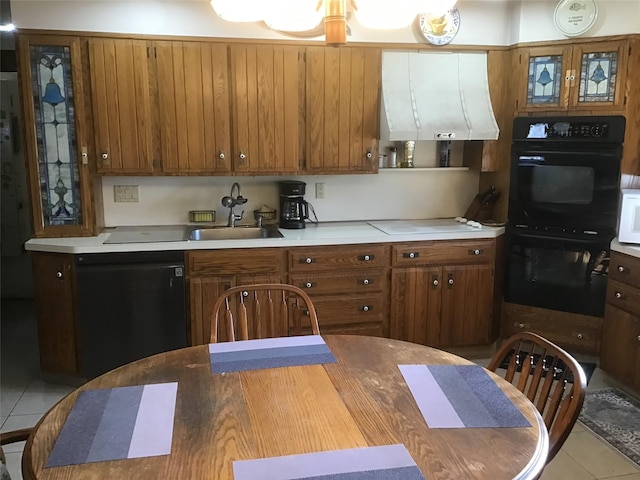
[{"x": 25, "y": 397}]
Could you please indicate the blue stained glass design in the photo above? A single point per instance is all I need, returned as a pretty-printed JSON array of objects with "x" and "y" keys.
[
  {"x": 55, "y": 135},
  {"x": 598, "y": 75},
  {"x": 543, "y": 84}
]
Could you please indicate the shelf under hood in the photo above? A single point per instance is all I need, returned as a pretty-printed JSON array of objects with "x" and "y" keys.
[{"x": 427, "y": 94}]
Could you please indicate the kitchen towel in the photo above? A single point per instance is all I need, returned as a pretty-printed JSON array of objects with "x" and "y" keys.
[
  {"x": 459, "y": 396},
  {"x": 117, "y": 423},
  {"x": 269, "y": 353},
  {"x": 388, "y": 462}
]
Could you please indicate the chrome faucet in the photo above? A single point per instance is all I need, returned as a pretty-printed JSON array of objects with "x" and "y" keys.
[{"x": 231, "y": 202}]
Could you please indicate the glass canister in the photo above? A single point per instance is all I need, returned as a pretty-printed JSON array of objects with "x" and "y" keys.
[{"x": 409, "y": 148}]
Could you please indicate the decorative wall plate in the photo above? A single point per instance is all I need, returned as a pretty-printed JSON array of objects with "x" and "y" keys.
[
  {"x": 575, "y": 17},
  {"x": 440, "y": 29}
]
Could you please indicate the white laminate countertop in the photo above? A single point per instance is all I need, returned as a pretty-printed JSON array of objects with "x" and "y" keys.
[
  {"x": 328, "y": 233},
  {"x": 628, "y": 248}
]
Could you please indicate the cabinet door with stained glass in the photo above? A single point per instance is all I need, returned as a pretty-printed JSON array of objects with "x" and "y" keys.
[
  {"x": 600, "y": 75},
  {"x": 547, "y": 78},
  {"x": 54, "y": 120}
]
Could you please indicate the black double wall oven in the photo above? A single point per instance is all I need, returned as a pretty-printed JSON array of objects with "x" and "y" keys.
[{"x": 563, "y": 204}]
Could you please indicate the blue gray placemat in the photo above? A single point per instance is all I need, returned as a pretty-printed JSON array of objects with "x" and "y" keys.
[
  {"x": 459, "y": 396},
  {"x": 388, "y": 462},
  {"x": 117, "y": 423},
  {"x": 269, "y": 353}
]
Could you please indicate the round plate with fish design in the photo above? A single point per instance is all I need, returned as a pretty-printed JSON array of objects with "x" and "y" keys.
[
  {"x": 575, "y": 17},
  {"x": 439, "y": 29}
]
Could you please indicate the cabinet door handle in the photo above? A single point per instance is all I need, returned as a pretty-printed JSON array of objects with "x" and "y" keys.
[
  {"x": 638, "y": 338},
  {"x": 369, "y": 155},
  {"x": 366, "y": 308},
  {"x": 306, "y": 260},
  {"x": 521, "y": 325},
  {"x": 411, "y": 255},
  {"x": 242, "y": 156},
  {"x": 309, "y": 284},
  {"x": 59, "y": 274},
  {"x": 618, "y": 295},
  {"x": 366, "y": 281},
  {"x": 105, "y": 157},
  {"x": 366, "y": 258},
  {"x": 245, "y": 294},
  {"x": 221, "y": 155},
  {"x": 434, "y": 281},
  {"x": 579, "y": 336},
  {"x": 450, "y": 280},
  {"x": 477, "y": 251},
  {"x": 621, "y": 268}
]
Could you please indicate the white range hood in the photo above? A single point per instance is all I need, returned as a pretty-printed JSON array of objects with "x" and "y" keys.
[{"x": 436, "y": 96}]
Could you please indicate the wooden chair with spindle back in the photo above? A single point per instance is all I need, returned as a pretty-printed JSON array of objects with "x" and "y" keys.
[
  {"x": 7, "y": 438},
  {"x": 262, "y": 310},
  {"x": 550, "y": 378}
]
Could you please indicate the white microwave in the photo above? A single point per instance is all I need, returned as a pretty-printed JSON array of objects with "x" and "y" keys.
[{"x": 629, "y": 218}]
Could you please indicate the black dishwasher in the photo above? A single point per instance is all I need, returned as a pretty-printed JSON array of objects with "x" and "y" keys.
[{"x": 131, "y": 305}]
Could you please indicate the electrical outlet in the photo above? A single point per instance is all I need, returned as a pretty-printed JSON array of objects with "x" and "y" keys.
[
  {"x": 319, "y": 190},
  {"x": 126, "y": 193}
]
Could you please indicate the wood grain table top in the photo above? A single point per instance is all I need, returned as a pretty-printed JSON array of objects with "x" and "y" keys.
[{"x": 362, "y": 400}]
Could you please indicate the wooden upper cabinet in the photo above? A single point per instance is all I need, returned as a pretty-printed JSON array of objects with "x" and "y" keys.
[
  {"x": 266, "y": 96},
  {"x": 584, "y": 77},
  {"x": 343, "y": 109},
  {"x": 54, "y": 107},
  {"x": 121, "y": 105},
  {"x": 193, "y": 107}
]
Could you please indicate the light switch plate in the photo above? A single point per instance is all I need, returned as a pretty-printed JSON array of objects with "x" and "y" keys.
[
  {"x": 126, "y": 193},
  {"x": 319, "y": 190}
]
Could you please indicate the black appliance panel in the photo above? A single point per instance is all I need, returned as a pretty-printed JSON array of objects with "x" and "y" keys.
[
  {"x": 576, "y": 189},
  {"x": 604, "y": 129},
  {"x": 131, "y": 306},
  {"x": 557, "y": 273}
]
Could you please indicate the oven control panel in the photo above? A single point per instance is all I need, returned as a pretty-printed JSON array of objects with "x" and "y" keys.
[
  {"x": 568, "y": 129},
  {"x": 594, "y": 129}
]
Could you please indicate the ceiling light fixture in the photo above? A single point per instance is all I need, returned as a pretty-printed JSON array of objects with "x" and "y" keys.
[{"x": 305, "y": 15}]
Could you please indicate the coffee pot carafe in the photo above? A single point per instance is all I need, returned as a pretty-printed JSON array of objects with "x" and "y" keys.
[{"x": 294, "y": 210}]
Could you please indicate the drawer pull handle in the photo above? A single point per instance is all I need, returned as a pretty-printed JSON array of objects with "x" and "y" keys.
[
  {"x": 618, "y": 295},
  {"x": 477, "y": 251},
  {"x": 310, "y": 284},
  {"x": 579, "y": 336},
  {"x": 519, "y": 325},
  {"x": 411, "y": 255},
  {"x": 366, "y": 308},
  {"x": 620, "y": 268},
  {"x": 306, "y": 260},
  {"x": 366, "y": 281},
  {"x": 59, "y": 274},
  {"x": 365, "y": 258}
]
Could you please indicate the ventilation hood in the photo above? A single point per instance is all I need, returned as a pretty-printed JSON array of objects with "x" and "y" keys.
[{"x": 436, "y": 96}]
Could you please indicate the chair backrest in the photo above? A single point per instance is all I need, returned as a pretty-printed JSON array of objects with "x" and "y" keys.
[
  {"x": 11, "y": 437},
  {"x": 260, "y": 311},
  {"x": 550, "y": 378}
]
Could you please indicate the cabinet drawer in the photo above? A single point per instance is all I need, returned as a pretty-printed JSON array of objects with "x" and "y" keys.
[
  {"x": 443, "y": 252},
  {"x": 569, "y": 330},
  {"x": 234, "y": 261},
  {"x": 624, "y": 268},
  {"x": 623, "y": 296},
  {"x": 330, "y": 283},
  {"x": 337, "y": 258},
  {"x": 334, "y": 311}
]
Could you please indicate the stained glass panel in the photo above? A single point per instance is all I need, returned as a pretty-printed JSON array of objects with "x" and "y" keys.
[
  {"x": 545, "y": 75},
  {"x": 598, "y": 75},
  {"x": 55, "y": 135}
]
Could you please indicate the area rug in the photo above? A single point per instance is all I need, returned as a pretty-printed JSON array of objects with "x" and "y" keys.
[{"x": 614, "y": 416}]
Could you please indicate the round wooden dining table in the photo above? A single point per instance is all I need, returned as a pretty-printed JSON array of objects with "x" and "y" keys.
[{"x": 360, "y": 401}]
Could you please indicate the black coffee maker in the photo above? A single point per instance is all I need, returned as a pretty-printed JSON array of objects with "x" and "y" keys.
[{"x": 293, "y": 208}]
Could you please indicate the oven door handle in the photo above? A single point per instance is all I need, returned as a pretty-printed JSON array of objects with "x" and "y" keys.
[{"x": 534, "y": 236}]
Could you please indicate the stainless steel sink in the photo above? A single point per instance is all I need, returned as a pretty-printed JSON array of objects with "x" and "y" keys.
[{"x": 238, "y": 232}]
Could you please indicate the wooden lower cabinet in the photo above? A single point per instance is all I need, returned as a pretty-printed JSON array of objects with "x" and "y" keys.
[
  {"x": 620, "y": 351},
  {"x": 209, "y": 273},
  {"x": 55, "y": 293},
  {"x": 348, "y": 285},
  {"x": 446, "y": 305}
]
